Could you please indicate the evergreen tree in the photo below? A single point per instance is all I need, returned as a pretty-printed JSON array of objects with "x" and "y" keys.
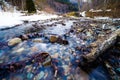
[{"x": 30, "y": 6}]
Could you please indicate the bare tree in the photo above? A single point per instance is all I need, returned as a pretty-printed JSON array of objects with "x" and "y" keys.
[{"x": 79, "y": 5}]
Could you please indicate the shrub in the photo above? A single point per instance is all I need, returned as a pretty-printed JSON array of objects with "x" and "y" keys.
[{"x": 75, "y": 14}]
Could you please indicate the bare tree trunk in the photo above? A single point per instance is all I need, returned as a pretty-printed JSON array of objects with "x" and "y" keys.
[
  {"x": 23, "y": 4},
  {"x": 79, "y": 5}
]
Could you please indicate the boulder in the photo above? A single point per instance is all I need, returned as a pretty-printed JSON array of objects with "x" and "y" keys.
[{"x": 14, "y": 41}]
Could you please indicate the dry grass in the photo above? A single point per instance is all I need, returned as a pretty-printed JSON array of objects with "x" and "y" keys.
[
  {"x": 75, "y": 14},
  {"x": 112, "y": 14}
]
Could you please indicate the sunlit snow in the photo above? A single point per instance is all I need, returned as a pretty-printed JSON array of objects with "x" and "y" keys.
[{"x": 8, "y": 19}]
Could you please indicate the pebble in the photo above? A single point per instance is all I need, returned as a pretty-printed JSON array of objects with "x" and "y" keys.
[
  {"x": 40, "y": 75},
  {"x": 20, "y": 50},
  {"x": 93, "y": 44},
  {"x": 37, "y": 40},
  {"x": 93, "y": 25},
  {"x": 34, "y": 48},
  {"x": 29, "y": 75},
  {"x": 56, "y": 55}
]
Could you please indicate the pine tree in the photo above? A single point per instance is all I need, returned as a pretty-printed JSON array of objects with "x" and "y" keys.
[{"x": 30, "y": 6}]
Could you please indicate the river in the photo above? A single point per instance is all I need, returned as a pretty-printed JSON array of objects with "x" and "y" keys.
[{"x": 66, "y": 57}]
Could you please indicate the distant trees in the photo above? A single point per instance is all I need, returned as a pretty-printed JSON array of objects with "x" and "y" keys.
[
  {"x": 63, "y": 1},
  {"x": 23, "y": 5},
  {"x": 30, "y": 7},
  {"x": 106, "y": 4},
  {"x": 20, "y": 4}
]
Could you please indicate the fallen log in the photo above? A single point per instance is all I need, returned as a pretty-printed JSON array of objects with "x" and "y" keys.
[{"x": 103, "y": 47}]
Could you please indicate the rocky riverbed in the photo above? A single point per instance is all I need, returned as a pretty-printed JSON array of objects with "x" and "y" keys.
[{"x": 65, "y": 41}]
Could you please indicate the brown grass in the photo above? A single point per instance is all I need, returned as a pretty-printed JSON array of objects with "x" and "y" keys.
[{"x": 112, "y": 14}]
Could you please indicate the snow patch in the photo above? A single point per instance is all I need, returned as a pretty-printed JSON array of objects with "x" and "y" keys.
[
  {"x": 92, "y": 10},
  {"x": 9, "y": 19}
]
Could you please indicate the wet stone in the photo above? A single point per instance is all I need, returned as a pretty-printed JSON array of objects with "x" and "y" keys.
[
  {"x": 38, "y": 40},
  {"x": 14, "y": 41},
  {"x": 40, "y": 76},
  {"x": 53, "y": 39},
  {"x": 29, "y": 75}
]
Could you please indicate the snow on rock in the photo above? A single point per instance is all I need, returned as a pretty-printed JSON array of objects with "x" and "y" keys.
[
  {"x": 101, "y": 18},
  {"x": 92, "y": 10},
  {"x": 83, "y": 13},
  {"x": 9, "y": 19},
  {"x": 108, "y": 10}
]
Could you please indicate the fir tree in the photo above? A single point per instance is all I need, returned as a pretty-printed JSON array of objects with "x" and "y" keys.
[{"x": 30, "y": 6}]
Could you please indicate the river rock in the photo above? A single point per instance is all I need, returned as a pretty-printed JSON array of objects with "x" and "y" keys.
[
  {"x": 65, "y": 42},
  {"x": 93, "y": 25},
  {"x": 40, "y": 75},
  {"x": 56, "y": 55},
  {"x": 24, "y": 37},
  {"x": 79, "y": 30},
  {"x": 37, "y": 40},
  {"x": 20, "y": 50},
  {"x": 29, "y": 75},
  {"x": 53, "y": 39},
  {"x": 14, "y": 41},
  {"x": 63, "y": 24},
  {"x": 93, "y": 44},
  {"x": 47, "y": 61}
]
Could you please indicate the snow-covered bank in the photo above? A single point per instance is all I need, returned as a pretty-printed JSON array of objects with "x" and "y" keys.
[{"x": 8, "y": 19}]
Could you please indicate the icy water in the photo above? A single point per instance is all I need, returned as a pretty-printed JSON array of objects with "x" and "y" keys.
[{"x": 65, "y": 58}]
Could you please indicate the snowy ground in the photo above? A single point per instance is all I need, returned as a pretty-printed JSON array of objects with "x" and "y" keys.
[{"x": 9, "y": 19}]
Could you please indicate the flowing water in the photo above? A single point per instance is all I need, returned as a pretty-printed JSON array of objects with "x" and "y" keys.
[{"x": 65, "y": 58}]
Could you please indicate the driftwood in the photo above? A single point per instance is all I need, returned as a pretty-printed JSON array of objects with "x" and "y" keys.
[{"x": 104, "y": 46}]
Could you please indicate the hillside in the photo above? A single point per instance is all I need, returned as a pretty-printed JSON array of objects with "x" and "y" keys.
[
  {"x": 61, "y": 6},
  {"x": 52, "y": 6},
  {"x": 110, "y": 8}
]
